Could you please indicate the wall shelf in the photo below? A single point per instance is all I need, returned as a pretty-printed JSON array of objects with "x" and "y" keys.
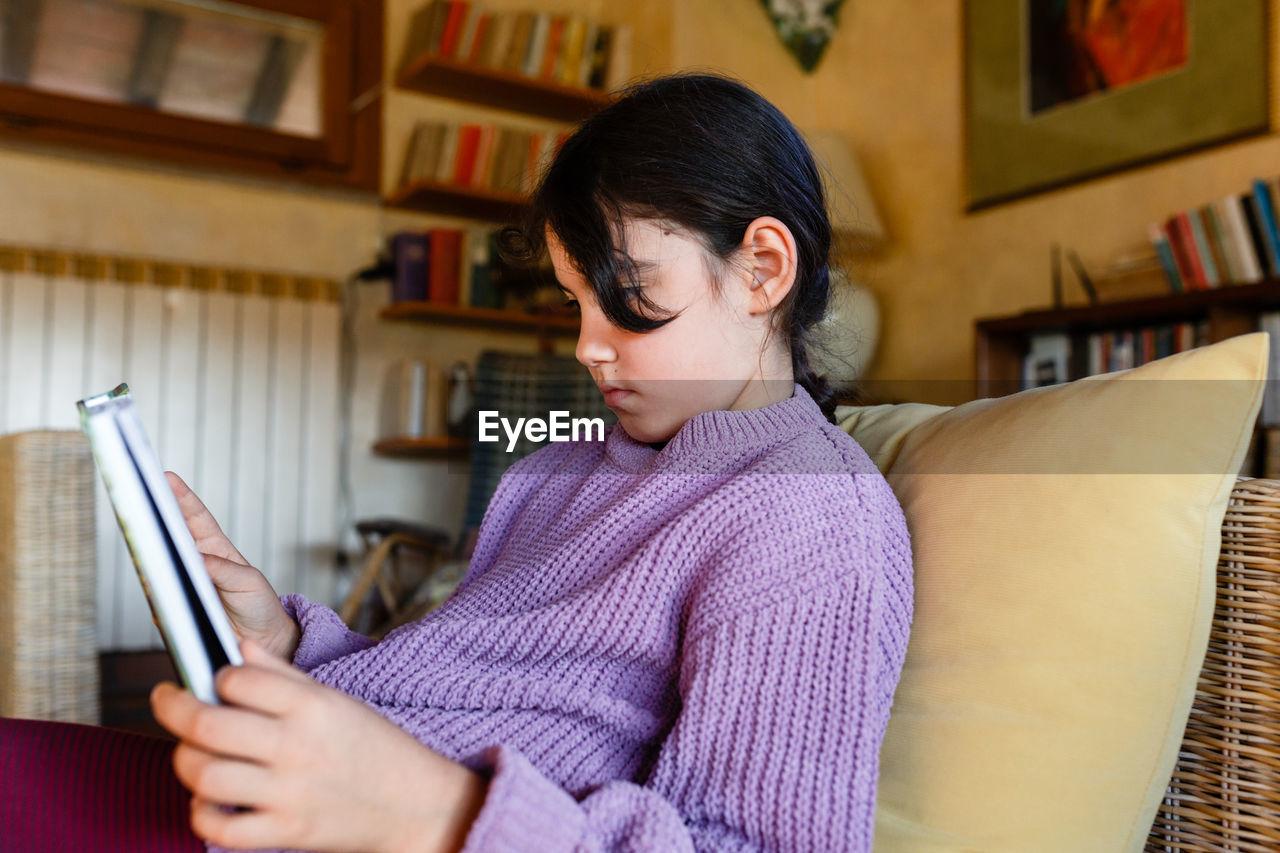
[
  {"x": 457, "y": 200},
  {"x": 505, "y": 90},
  {"x": 544, "y": 324},
  {"x": 406, "y": 447}
]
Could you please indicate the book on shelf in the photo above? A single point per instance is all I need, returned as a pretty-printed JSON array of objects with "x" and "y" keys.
[
  {"x": 444, "y": 262},
  {"x": 483, "y": 156},
  {"x": 566, "y": 48},
  {"x": 409, "y": 250},
  {"x": 1054, "y": 357}
]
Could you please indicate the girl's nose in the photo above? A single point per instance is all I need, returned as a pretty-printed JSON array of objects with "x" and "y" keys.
[{"x": 594, "y": 345}]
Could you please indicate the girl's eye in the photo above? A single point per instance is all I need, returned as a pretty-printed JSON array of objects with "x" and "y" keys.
[{"x": 571, "y": 303}]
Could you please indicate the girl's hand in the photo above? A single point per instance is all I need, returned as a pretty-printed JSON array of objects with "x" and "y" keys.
[
  {"x": 316, "y": 769},
  {"x": 252, "y": 605}
]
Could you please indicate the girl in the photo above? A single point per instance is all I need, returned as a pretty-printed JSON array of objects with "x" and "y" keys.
[{"x": 686, "y": 636}]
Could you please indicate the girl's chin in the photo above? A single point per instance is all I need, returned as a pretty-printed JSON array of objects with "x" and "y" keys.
[{"x": 645, "y": 431}]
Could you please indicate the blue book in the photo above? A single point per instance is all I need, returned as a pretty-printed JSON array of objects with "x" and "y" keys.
[
  {"x": 1201, "y": 236},
  {"x": 1165, "y": 253},
  {"x": 1267, "y": 213},
  {"x": 409, "y": 252}
]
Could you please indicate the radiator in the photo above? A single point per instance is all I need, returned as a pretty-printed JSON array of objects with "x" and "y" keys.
[{"x": 235, "y": 377}]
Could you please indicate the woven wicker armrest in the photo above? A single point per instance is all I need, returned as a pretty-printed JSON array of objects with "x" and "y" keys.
[{"x": 1225, "y": 789}]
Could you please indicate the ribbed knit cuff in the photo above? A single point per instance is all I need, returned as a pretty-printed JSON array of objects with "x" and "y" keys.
[
  {"x": 324, "y": 637},
  {"x": 523, "y": 810}
]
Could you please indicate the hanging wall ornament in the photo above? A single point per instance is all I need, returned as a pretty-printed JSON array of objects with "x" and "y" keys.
[{"x": 805, "y": 26}]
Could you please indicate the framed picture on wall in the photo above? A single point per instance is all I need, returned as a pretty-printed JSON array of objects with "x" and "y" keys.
[{"x": 1057, "y": 91}]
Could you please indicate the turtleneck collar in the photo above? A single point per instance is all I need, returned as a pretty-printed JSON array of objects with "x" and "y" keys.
[{"x": 711, "y": 431}]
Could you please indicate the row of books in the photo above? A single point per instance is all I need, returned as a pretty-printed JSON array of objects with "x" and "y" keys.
[
  {"x": 449, "y": 266},
  {"x": 570, "y": 49},
  {"x": 478, "y": 155},
  {"x": 1059, "y": 357},
  {"x": 1233, "y": 240}
]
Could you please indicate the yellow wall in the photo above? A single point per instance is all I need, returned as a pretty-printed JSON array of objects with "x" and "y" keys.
[{"x": 892, "y": 83}]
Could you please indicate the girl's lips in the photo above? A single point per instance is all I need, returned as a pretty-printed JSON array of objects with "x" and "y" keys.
[{"x": 614, "y": 396}]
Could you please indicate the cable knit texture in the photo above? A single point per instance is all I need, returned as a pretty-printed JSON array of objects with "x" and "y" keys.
[{"x": 687, "y": 649}]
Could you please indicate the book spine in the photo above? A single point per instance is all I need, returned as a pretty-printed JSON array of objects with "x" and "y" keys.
[
  {"x": 501, "y": 28},
  {"x": 484, "y": 156},
  {"x": 448, "y": 153},
  {"x": 1203, "y": 250},
  {"x": 1163, "y": 251},
  {"x": 555, "y": 44},
  {"x": 518, "y": 49},
  {"x": 466, "y": 39},
  {"x": 1253, "y": 221},
  {"x": 1228, "y": 268},
  {"x": 1267, "y": 224},
  {"x": 1171, "y": 233},
  {"x": 586, "y": 60},
  {"x": 409, "y": 253},
  {"x": 465, "y": 161},
  {"x": 537, "y": 47},
  {"x": 1238, "y": 234},
  {"x": 444, "y": 277},
  {"x": 439, "y": 18},
  {"x": 411, "y": 152},
  {"x": 481, "y": 39},
  {"x": 453, "y": 28},
  {"x": 1187, "y": 240}
]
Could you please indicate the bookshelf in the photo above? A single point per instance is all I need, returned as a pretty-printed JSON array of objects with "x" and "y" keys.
[{"x": 1001, "y": 342}]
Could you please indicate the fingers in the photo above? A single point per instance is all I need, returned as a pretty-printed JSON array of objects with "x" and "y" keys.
[
  {"x": 222, "y": 779},
  {"x": 220, "y": 729},
  {"x": 264, "y": 684},
  {"x": 238, "y": 830},
  {"x": 204, "y": 527}
]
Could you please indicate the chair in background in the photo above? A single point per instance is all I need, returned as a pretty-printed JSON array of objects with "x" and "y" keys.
[
  {"x": 48, "y": 578},
  {"x": 411, "y": 568}
]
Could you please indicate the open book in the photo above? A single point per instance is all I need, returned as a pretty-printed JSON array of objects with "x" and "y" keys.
[{"x": 184, "y": 603}]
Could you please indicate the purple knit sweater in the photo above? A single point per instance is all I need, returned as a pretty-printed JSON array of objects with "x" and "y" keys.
[{"x": 687, "y": 649}]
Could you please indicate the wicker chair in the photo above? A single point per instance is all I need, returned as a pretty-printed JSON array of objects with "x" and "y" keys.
[
  {"x": 48, "y": 578},
  {"x": 1225, "y": 789}
]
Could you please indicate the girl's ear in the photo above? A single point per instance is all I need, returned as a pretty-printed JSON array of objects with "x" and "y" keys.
[{"x": 771, "y": 255}]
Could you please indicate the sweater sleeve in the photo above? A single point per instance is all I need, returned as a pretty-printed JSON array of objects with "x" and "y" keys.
[
  {"x": 323, "y": 637},
  {"x": 776, "y": 746}
]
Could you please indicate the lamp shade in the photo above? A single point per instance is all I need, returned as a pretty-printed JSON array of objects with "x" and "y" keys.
[{"x": 853, "y": 210}]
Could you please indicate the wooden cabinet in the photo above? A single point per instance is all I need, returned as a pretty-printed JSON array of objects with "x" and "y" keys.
[{"x": 286, "y": 88}]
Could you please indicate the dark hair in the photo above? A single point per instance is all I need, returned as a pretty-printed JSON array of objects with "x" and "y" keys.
[{"x": 705, "y": 153}]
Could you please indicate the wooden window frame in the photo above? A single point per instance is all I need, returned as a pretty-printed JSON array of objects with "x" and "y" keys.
[{"x": 347, "y": 153}]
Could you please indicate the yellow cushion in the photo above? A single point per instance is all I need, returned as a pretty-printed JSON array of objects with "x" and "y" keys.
[{"x": 1065, "y": 542}]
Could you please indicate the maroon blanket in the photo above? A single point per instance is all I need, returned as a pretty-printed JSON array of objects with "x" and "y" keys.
[{"x": 65, "y": 786}]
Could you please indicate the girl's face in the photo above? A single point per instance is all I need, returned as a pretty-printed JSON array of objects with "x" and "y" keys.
[{"x": 712, "y": 356}]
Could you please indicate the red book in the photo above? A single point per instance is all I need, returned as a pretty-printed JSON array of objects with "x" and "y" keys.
[
  {"x": 1170, "y": 230},
  {"x": 468, "y": 146},
  {"x": 484, "y": 157},
  {"x": 453, "y": 26},
  {"x": 477, "y": 43},
  {"x": 444, "y": 259},
  {"x": 554, "y": 38},
  {"x": 1183, "y": 225}
]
